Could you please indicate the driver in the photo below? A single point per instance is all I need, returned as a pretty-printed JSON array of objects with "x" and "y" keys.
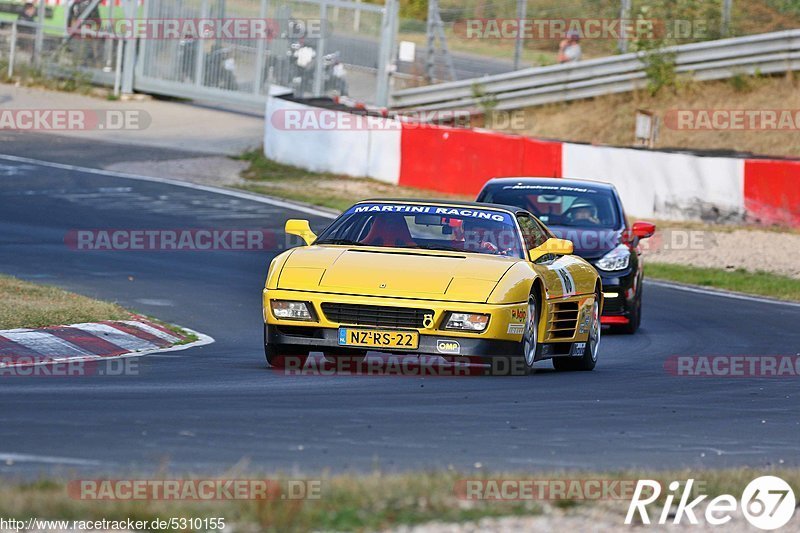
[{"x": 584, "y": 211}]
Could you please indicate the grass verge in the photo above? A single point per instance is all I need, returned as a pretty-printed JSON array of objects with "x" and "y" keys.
[
  {"x": 363, "y": 502},
  {"x": 70, "y": 82},
  {"x": 28, "y": 305},
  {"x": 333, "y": 191},
  {"x": 739, "y": 280}
]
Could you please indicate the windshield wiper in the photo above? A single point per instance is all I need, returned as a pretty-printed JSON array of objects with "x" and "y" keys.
[
  {"x": 346, "y": 242},
  {"x": 437, "y": 248}
]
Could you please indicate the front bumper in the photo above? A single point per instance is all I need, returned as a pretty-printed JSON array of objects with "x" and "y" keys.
[
  {"x": 620, "y": 290},
  {"x": 327, "y": 339},
  {"x": 501, "y": 337}
]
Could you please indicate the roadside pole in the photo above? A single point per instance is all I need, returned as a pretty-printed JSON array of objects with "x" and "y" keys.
[
  {"x": 319, "y": 67},
  {"x": 727, "y": 6},
  {"x": 386, "y": 52},
  {"x": 624, "y": 15},
  {"x": 129, "y": 50},
  {"x": 522, "y": 7},
  {"x": 39, "y": 42}
]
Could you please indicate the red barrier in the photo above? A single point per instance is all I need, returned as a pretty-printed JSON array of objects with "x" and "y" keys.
[
  {"x": 772, "y": 191},
  {"x": 460, "y": 161}
]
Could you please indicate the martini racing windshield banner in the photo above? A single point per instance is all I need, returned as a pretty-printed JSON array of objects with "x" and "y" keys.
[{"x": 446, "y": 211}]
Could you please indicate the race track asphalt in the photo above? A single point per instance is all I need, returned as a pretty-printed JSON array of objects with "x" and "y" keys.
[{"x": 207, "y": 408}]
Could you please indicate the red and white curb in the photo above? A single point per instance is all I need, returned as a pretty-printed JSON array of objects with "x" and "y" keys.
[{"x": 90, "y": 342}]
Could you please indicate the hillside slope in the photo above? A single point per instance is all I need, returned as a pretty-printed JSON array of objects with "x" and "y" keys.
[{"x": 610, "y": 119}]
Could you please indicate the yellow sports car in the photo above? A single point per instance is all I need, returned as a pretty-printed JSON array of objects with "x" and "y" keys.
[{"x": 454, "y": 279}]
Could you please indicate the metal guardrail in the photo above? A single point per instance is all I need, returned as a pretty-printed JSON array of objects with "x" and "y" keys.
[{"x": 765, "y": 53}]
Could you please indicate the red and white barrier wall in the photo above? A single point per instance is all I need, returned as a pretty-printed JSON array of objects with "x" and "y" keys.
[
  {"x": 652, "y": 184},
  {"x": 324, "y": 140}
]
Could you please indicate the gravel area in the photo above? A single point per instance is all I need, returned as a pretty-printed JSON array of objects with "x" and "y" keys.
[
  {"x": 602, "y": 517},
  {"x": 750, "y": 249},
  {"x": 219, "y": 171}
]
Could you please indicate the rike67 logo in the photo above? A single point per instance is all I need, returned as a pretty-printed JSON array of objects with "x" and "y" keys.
[{"x": 767, "y": 502}]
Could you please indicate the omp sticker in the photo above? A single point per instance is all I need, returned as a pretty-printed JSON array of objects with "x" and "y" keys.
[{"x": 448, "y": 346}]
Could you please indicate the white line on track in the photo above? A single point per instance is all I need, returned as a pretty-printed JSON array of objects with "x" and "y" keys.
[
  {"x": 207, "y": 188},
  {"x": 719, "y": 292},
  {"x": 28, "y": 458}
]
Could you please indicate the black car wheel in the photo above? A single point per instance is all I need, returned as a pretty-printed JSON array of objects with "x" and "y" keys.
[{"x": 635, "y": 317}]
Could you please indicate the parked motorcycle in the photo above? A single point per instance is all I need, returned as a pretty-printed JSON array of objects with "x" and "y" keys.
[
  {"x": 220, "y": 68},
  {"x": 335, "y": 75}
]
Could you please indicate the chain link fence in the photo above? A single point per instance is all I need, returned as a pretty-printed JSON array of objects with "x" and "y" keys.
[
  {"x": 312, "y": 48},
  {"x": 26, "y": 50},
  {"x": 306, "y": 47}
]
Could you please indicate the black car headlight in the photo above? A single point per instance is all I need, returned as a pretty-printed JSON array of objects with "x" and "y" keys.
[{"x": 617, "y": 259}]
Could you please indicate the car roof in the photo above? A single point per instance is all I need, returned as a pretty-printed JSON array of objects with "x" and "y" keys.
[
  {"x": 454, "y": 203},
  {"x": 549, "y": 181}
]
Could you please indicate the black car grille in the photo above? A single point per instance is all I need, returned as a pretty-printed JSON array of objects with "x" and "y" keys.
[
  {"x": 375, "y": 315},
  {"x": 613, "y": 306}
]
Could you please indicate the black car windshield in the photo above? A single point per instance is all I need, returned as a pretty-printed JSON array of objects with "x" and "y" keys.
[
  {"x": 559, "y": 205},
  {"x": 426, "y": 227}
]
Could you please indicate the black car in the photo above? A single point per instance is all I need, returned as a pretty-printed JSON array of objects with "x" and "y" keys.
[{"x": 589, "y": 214}]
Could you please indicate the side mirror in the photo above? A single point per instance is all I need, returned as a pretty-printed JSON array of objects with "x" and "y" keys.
[
  {"x": 643, "y": 230},
  {"x": 551, "y": 246},
  {"x": 301, "y": 229}
]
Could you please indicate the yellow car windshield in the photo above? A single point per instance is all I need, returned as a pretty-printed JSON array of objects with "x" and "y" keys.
[{"x": 429, "y": 227}]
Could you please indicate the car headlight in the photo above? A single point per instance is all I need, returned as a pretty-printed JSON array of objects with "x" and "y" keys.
[
  {"x": 616, "y": 259},
  {"x": 467, "y": 322},
  {"x": 288, "y": 310}
]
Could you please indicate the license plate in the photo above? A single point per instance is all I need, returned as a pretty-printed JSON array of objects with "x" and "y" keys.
[{"x": 375, "y": 338}]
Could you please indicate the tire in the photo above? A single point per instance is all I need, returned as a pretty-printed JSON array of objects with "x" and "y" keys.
[
  {"x": 589, "y": 359},
  {"x": 277, "y": 354},
  {"x": 635, "y": 318},
  {"x": 522, "y": 362}
]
